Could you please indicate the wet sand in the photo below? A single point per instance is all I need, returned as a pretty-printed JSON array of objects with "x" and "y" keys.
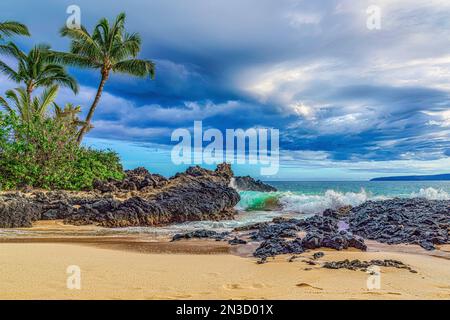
[{"x": 140, "y": 267}]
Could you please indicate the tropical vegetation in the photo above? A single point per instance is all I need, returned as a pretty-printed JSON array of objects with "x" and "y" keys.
[{"x": 40, "y": 140}]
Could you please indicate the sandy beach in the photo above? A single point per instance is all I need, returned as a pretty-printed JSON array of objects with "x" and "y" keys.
[{"x": 118, "y": 269}]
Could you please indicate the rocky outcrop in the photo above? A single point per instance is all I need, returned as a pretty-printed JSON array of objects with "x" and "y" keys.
[
  {"x": 321, "y": 232},
  {"x": 17, "y": 212},
  {"x": 250, "y": 184},
  {"x": 195, "y": 195},
  {"x": 20, "y": 210},
  {"x": 412, "y": 221},
  {"x": 141, "y": 199},
  {"x": 138, "y": 179}
]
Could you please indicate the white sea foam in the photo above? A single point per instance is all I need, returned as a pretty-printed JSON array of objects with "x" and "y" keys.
[
  {"x": 330, "y": 200},
  {"x": 432, "y": 194}
]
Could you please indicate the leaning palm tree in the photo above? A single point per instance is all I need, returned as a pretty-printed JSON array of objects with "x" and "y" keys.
[
  {"x": 108, "y": 49},
  {"x": 10, "y": 28},
  {"x": 35, "y": 69},
  {"x": 26, "y": 107}
]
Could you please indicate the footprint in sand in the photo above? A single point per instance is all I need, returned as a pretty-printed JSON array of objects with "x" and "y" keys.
[
  {"x": 307, "y": 286},
  {"x": 236, "y": 286},
  {"x": 233, "y": 286}
]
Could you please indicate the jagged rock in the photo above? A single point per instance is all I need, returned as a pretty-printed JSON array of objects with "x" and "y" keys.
[
  {"x": 18, "y": 213},
  {"x": 273, "y": 247},
  {"x": 249, "y": 227},
  {"x": 249, "y": 184},
  {"x": 413, "y": 221},
  {"x": 322, "y": 232},
  {"x": 364, "y": 265},
  {"x": 198, "y": 194},
  {"x": 138, "y": 179},
  {"x": 271, "y": 231},
  {"x": 19, "y": 210},
  {"x": 201, "y": 234},
  {"x": 237, "y": 241}
]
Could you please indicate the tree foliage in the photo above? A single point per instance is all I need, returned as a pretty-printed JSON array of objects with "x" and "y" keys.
[{"x": 43, "y": 153}]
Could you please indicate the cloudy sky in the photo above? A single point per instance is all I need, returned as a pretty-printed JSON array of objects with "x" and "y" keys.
[{"x": 350, "y": 103}]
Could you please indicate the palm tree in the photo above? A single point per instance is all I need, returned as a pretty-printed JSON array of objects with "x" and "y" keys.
[
  {"x": 108, "y": 49},
  {"x": 36, "y": 69},
  {"x": 10, "y": 28},
  {"x": 25, "y": 106},
  {"x": 68, "y": 120},
  {"x": 68, "y": 115}
]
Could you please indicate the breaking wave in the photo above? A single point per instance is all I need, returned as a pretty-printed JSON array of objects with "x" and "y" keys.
[
  {"x": 309, "y": 203},
  {"x": 259, "y": 201},
  {"x": 432, "y": 194},
  {"x": 330, "y": 200}
]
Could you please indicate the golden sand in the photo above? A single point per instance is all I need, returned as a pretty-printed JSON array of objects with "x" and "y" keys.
[{"x": 38, "y": 271}]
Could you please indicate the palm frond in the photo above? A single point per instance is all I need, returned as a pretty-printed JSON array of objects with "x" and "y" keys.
[
  {"x": 10, "y": 28},
  {"x": 128, "y": 48},
  {"x": 47, "y": 98},
  {"x": 72, "y": 59},
  {"x": 9, "y": 72},
  {"x": 10, "y": 49},
  {"x": 84, "y": 40},
  {"x": 136, "y": 67},
  {"x": 6, "y": 105}
]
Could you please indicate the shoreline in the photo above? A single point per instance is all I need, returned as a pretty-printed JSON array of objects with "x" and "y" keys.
[{"x": 55, "y": 231}]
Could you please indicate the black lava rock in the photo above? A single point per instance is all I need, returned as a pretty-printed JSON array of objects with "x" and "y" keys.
[
  {"x": 412, "y": 221},
  {"x": 250, "y": 184},
  {"x": 318, "y": 255},
  {"x": 364, "y": 265},
  {"x": 201, "y": 234},
  {"x": 273, "y": 247},
  {"x": 237, "y": 241}
]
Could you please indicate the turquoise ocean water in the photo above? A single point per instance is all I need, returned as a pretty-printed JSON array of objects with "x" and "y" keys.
[
  {"x": 314, "y": 197},
  {"x": 377, "y": 188}
]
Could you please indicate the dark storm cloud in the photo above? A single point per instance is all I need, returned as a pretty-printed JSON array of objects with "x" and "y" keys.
[{"x": 310, "y": 68}]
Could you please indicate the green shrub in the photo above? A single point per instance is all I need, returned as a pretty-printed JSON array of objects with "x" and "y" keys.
[{"x": 43, "y": 153}]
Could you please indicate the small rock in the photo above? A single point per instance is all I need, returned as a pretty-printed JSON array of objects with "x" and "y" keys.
[
  {"x": 318, "y": 255},
  {"x": 237, "y": 241}
]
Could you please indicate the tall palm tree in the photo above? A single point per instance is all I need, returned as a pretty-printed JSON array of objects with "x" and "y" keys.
[
  {"x": 10, "y": 28},
  {"x": 108, "y": 49},
  {"x": 36, "y": 69},
  {"x": 25, "y": 106}
]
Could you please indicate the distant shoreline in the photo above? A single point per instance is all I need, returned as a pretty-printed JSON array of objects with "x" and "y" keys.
[{"x": 439, "y": 177}]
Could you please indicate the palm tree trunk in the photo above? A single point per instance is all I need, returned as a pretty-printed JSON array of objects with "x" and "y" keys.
[
  {"x": 30, "y": 88},
  {"x": 87, "y": 123}
]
